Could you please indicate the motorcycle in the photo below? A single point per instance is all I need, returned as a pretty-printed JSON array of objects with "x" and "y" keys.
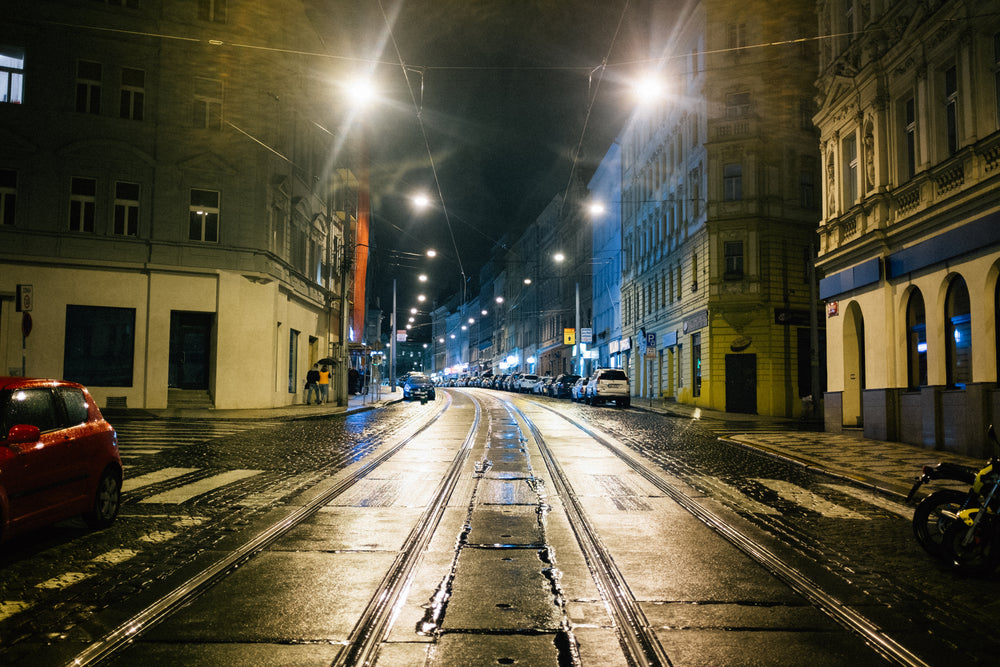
[
  {"x": 935, "y": 512},
  {"x": 971, "y": 542},
  {"x": 943, "y": 522}
]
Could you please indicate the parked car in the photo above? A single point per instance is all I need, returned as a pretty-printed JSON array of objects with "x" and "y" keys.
[
  {"x": 539, "y": 387},
  {"x": 608, "y": 384},
  {"x": 526, "y": 383},
  {"x": 577, "y": 390},
  {"x": 58, "y": 456},
  {"x": 562, "y": 386},
  {"x": 418, "y": 385}
]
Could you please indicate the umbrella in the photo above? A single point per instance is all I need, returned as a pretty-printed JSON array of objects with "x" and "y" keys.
[{"x": 328, "y": 361}]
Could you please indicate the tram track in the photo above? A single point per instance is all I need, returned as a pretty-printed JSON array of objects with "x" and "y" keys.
[
  {"x": 167, "y": 604},
  {"x": 842, "y": 613},
  {"x": 637, "y": 637}
]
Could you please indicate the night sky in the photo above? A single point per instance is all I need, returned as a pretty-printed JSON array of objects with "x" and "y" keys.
[{"x": 506, "y": 99}]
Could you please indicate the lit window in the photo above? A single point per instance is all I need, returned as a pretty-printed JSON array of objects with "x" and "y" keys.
[
  {"x": 203, "y": 224},
  {"x": 11, "y": 75}
]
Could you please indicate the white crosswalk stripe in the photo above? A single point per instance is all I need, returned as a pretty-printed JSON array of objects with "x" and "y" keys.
[
  {"x": 155, "y": 477},
  {"x": 188, "y": 491},
  {"x": 809, "y": 500},
  {"x": 147, "y": 437},
  {"x": 873, "y": 498}
]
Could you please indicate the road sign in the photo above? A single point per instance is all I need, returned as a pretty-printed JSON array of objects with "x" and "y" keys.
[
  {"x": 586, "y": 335},
  {"x": 25, "y": 299},
  {"x": 569, "y": 336},
  {"x": 650, "y": 345}
]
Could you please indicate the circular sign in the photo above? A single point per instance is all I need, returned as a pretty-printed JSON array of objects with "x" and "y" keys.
[{"x": 25, "y": 324}]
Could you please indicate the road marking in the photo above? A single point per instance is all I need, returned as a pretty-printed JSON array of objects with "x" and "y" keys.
[
  {"x": 64, "y": 580},
  {"x": 809, "y": 500},
  {"x": 188, "y": 491},
  {"x": 10, "y": 607},
  {"x": 115, "y": 556},
  {"x": 732, "y": 495},
  {"x": 133, "y": 483},
  {"x": 873, "y": 499}
]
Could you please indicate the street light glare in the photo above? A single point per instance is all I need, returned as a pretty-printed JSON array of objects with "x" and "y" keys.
[
  {"x": 649, "y": 89},
  {"x": 420, "y": 201},
  {"x": 432, "y": 253},
  {"x": 422, "y": 277},
  {"x": 363, "y": 91},
  {"x": 596, "y": 208},
  {"x": 559, "y": 257}
]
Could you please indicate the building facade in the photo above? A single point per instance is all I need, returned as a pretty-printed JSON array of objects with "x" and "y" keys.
[
  {"x": 170, "y": 201},
  {"x": 605, "y": 192},
  {"x": 719, "y": 214},
  {"x": 910, "y": 234}
]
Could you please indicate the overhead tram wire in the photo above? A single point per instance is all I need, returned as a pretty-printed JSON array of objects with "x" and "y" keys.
[
  {"x": 423, "y": 132},
  {"x": 590, "y": 106}
]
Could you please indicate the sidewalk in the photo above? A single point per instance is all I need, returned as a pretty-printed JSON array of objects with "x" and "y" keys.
[
  {"x": 355, "y": 403},
  {"x": 890, "y": 467}
]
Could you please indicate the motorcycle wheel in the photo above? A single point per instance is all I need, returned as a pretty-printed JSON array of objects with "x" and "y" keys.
[
  {"x": 977, "y": 557},
  {"x": 930, "y": 521}
]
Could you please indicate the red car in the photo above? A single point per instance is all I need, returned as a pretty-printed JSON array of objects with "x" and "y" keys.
[{"x": 58, "y": 456}]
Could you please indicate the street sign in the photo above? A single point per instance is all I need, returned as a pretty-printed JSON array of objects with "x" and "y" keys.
[
  {"x": 25, "y": 299},
  {"x": 400, "y": 335},
  {"x": 650, "y": 345},
  {"x": 586, "y": 335},
  {"x": 569, "y": 336}
]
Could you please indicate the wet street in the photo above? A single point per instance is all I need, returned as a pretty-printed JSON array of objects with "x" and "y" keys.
[{"x": 483, "y": 528}]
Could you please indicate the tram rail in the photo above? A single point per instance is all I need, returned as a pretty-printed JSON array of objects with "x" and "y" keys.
[{"x": 637, "y": 638}]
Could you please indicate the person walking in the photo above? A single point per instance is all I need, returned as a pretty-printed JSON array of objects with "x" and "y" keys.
[
  {"x": 312, "y": 384},
  {"x": 324, "y": 384}
]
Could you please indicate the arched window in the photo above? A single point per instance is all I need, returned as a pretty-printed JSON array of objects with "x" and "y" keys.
[
  {"x": 958, "y": 334},
  {"x": 916, "y": 342}
]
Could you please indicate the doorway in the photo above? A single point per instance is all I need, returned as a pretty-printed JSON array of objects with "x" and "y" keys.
[
  {"x": 190, "y": 349},
  {"x": 741, "y": 383}
]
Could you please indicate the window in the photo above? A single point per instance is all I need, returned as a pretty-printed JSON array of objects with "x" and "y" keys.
[
  {"x": 958, "y": 334},
  {"x": 133, "y": 94},
  {"x": 212, "y": 10},
  {"x": 293, "y": 361},
  {"x": 916, "y": 342},
  {"x": 99, "y": 345},
  {"x": 696, "y": 364},
  {"x": 203, "y": 222},
  {"x": 807, "y": 190},
  {"x": 850, "y": 170},
  {"x": 126, "y": 209},
  {"x": 207, "y": 104},
  {"x": 996, "y": 76},
  {"x": 88, "y": 87},
  {"x": 33, "y": 406},
  {"x": 736, "y": 35},
  {"x": 82, "y": 204},
  {"x": 8, "y": 196},
  {"x": 11, "y": 75},
  {"x": 733, "y": 255},
  {"x": 910, "y": 130},
  {"x": 732, "y": 182},
  {"x": 951, "y": 108},
  {"x": 77, "y": 410},
  {"x": 737, "y": 105}
]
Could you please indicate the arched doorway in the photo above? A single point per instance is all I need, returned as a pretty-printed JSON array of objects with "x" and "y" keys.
[{"x": 854, "y": 366}]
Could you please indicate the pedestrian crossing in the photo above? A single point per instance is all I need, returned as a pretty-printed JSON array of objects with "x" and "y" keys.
[{"x": 150, "y": 437}]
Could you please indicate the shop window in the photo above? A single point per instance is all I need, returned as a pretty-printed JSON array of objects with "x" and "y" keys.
[
  {"x": 696, "y": 364},
  {"x": 916, "y": 341},
  {"x": 99, "y": 345},
  {"x": 958, "y": 334}
]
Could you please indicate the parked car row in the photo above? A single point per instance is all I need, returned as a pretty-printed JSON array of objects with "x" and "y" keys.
[{"x": 605, "y": 385}]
